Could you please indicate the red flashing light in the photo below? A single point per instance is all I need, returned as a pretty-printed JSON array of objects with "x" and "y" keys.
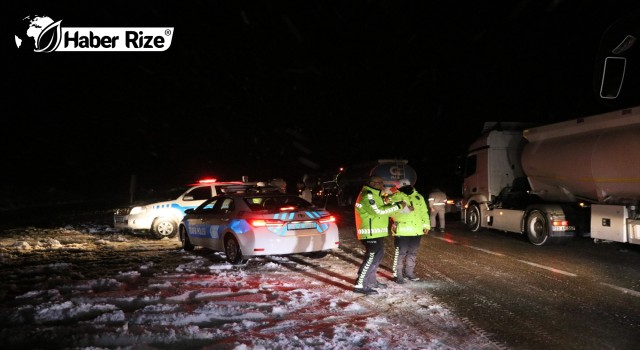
[
  {"x": 287, "y": 208},
  {"x": 207, "y": 181}
]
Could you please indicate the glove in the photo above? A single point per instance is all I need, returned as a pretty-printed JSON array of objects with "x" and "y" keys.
[
  {"x": 410, "y": 206},
  {"x": 404, "y": 208}
]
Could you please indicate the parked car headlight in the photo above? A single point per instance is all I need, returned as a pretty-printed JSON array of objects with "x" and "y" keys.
[{"x": 137, "y": 210}]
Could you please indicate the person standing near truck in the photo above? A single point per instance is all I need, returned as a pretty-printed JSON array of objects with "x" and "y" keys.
[
  {"x": 372, "y": 226},
  {"x": 437, "y": 208},
  {"x": 408, "y": 227},
  {"x": 280, "y": 184}
]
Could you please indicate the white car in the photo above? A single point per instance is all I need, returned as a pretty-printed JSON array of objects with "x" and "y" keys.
[
  {"x": 244, "y": 225},
  {"x": 161, "y": 212}
]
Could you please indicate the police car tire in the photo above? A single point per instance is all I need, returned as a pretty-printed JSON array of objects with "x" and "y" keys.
[
  {"x": 232, "y": 251},
  {"x": 318, "y": 255},
  {"x": 164, "y": 228},
  {"x": 184, "y": 239}
]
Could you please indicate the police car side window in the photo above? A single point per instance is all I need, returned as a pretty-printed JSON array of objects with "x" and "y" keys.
[
  {"x": 227, "y": 205},
  {"x": 199, "y": 193},
  {"x": 223, "y": 206},
  {"x": 209, "y": 207}
]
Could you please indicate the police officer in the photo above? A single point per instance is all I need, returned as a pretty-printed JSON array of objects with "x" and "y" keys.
[
  {"x": 372, "y": 226},
  {"x": 409, "y": 225},
  {"x": 437, "y": 207}
]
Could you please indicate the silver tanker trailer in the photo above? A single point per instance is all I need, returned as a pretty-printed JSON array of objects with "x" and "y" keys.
[{"x": 553, "y": 182}]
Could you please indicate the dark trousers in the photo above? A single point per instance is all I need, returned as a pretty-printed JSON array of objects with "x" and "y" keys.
[
  {"x": 404, "y": 260},
  {"x": 374, "y": 251}
]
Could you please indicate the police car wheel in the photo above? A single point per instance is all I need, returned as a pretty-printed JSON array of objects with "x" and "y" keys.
[
  {"x": 164, "y": 228},
  {"x": 232, "y": 251},
  {"x": 317, "y": 255},
  {"x": 184, "y": 239}
]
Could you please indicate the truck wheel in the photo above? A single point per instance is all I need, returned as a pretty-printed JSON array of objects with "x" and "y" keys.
[
  {"x": 232, "y": 251},
  {"x": 184, "y": 238},
  {"x": 162, "y": 228},
  {"x": 473, "y": 218},
  {"x": 537, "y": 228}
]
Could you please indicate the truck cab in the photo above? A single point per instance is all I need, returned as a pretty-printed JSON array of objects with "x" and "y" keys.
[{"x": 496, "y": 191}]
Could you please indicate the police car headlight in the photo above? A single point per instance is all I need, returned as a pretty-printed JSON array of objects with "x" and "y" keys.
[{"x": 137, "y": 210}]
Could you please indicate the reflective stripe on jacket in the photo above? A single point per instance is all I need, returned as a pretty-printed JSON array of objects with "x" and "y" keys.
[
  {"x": 372, "y": 215},
  {"x": 437, "y": 198}
]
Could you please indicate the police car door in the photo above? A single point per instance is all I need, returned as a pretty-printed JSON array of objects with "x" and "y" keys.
[
  {"x": 216, "y": 221},
  {"x": 196, "y": 223}
]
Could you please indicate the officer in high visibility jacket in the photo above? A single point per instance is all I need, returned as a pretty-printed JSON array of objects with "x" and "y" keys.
[
  {"x": 372, "y": 226},
  {"x": 408, "y": 227},
  {"x": 437, "y": 208}
]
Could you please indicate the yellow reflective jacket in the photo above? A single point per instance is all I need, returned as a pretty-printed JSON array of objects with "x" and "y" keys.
[
  {"x": 372, "y": 214},
  {"x": 409, "y": 222}
]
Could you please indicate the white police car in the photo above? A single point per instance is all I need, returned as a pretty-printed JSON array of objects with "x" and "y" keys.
[
  {"x": 258, "y": 223},
  {"x": 160, "y": 212}
]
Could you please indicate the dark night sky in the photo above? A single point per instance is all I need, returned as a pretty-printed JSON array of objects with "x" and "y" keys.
[{"x": 264, "y": 89}]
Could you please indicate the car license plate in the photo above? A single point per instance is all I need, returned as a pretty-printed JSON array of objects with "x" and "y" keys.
[
  {"x": 563, "y": 228},
  {"x": 301, "y": 225}
]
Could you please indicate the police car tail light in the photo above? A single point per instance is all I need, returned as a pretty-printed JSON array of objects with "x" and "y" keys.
[
  {"x": 265, "y": 222},
  {"x": 327, "y": 219}
]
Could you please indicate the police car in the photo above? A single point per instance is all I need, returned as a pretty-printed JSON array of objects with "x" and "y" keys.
[
  {"x": 258, "y": 223},
  {"x": 160, "y": 212}
]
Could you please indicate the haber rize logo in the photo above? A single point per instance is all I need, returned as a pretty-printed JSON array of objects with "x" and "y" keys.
[{"x": 43, "y": 34}]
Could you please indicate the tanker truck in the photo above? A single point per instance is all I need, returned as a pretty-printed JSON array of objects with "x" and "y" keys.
[
  {"x": 350, "y": 179},
  {"x": 554, "y": 182}
]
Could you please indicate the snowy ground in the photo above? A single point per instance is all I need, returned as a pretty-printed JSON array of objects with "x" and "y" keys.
[{"x": 86, "y": 286}]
